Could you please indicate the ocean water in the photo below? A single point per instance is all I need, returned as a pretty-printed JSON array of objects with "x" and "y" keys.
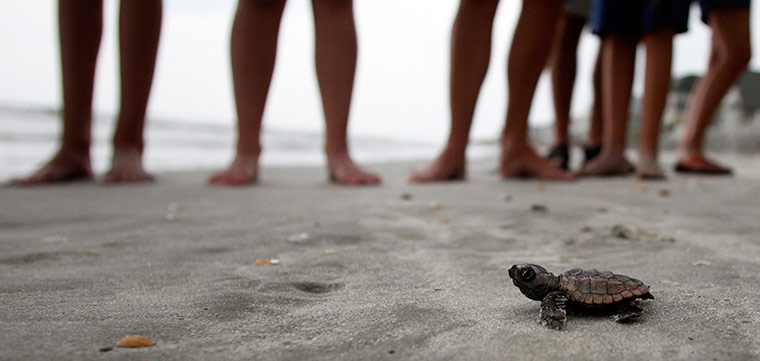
[
  {"x": 399, "y": 110},
  {"x": 29, "y": 137}
]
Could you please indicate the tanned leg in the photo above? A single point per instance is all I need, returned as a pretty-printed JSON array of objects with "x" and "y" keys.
[
  {"x": 731, "y": 51},
  {"x": 619, "y": 58},
  {"x": 563, "y": 75},
  {"x": 80, "y": 25},
  {"x": 594, "y": 137},
  {"x": 139, "y": 31},
  {"x": 336, "y": 52},
  {"x": 659, "y": 48},
  {"x": 253, "y": 50},
  {"x": 470, "y": 56},
  {"x": 530, "y": 49}
]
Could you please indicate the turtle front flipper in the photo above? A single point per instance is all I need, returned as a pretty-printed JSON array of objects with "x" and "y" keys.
[
  {"x": 628, "y": 312},
  {"x": 553, "y": 314}
]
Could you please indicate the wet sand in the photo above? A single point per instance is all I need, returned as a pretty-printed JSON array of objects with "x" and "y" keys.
[{"x": 392, "y": 272}]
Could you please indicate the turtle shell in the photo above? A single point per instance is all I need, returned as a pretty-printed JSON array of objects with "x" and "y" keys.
[{"x": 594, "y": 288}]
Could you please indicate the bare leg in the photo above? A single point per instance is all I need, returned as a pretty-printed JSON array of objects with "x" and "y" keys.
[
  {"x": 594, "y": 138},
  {"x": 470, "y": 56},
  {"x": 139, "y": 30},
  {"x": 563, "y": 64},
  {"x": 731, "y": 51},
  {"x": 80, "y": 26},
  {"x": 659, "y": 48},
  {"x": 253, "y": 50},
  {"x": 617, "y": 71},
  {"x": 530, "y": 49},
  {"x": 563, "y": 75},
  {"x": 336, "y": 51}
]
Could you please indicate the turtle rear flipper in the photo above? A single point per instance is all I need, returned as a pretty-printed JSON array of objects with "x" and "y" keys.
[
  {"x": 627, "y": 313},
  {"x": 553, "y": 314}
]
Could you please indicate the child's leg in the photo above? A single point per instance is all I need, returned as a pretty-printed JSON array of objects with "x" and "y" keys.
[
  {"x": 336, "y": 67},
  {"x": 253, "y": 48},
  {"x": 731, "y": 51},
  {"x": 564, "y": 69},
  {"x": 619, "y": 57},
  {"x": 470, "y": 55},
  {"x": 80, "y": 25},
  {"x": 139, "y": 30},
  {"x": 530, "y": 49},
  {"x": 659, "y": 48},
  {"x": 594, "y": 137}
]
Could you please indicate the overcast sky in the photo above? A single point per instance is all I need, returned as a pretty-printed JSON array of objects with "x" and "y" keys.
[{"x": 401, "y": 89}]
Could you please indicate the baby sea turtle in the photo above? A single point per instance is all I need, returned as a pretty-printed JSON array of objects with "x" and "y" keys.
[{"x": 579, "y": 288}]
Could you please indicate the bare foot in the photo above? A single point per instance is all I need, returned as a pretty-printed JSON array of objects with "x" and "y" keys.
[
  {"x": 525, "y": 163},
  {"x": 344, "y": 171},
  {"x": 607, "y": 164},
  {"x": 446, "y": 167},
  {"x": 244, "y": 170},
  {"x": 127, "y": 167},
  {"x": 649, "y": 169},
  {"x": 62, "y": 168},
  {"x": 698, "y": 164}
]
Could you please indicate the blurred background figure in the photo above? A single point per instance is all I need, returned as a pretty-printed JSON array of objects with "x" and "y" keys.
[
  {"x": 730, "y": 53},
  {"x": 81, "y": 26},
  {"x": 563, "y": 64},
  {"x": 470, "y": 56},
  {"x": 622, "y": 25},
  {"x": 253, "y": 51}
]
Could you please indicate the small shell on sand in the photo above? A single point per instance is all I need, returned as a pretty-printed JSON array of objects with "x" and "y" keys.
[
  {"x": 435, "y": 206},
  {"x": 701, "y": 263},
  {"x": 267, "y": 262},
  {"x": 135, "y": 341},
  {"x": 298, "y": 238}
]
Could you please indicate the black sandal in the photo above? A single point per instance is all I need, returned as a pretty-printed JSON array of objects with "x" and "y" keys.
[
  {"x": 589, "y": 153},
  {"x": 560, "y": 152}
]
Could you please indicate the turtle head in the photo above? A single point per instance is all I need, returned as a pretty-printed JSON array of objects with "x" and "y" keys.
[{"x": 534, "y": 281}]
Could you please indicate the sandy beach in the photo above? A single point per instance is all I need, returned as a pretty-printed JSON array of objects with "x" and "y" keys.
[{"x": 394, "y": 272}]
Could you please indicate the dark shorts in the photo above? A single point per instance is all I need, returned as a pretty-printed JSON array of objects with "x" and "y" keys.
[{"x": 637, "y": 17}]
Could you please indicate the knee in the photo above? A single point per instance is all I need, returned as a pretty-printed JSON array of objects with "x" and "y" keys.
[{"x": 736, "y": 58}]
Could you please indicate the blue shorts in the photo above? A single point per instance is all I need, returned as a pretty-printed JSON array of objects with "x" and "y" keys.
[
  {"x": 635, "y": 18},
  {"x": 707, "y": 6}
]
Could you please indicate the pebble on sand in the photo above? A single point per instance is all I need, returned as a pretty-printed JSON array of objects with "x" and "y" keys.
[
  {"x": 135, "y": 341},
  {"x": 174, "y": 207},
  {"x": 664, "y": 193},
  {"x": 267, "y": 262},
  {"x": 539, "y": 208},
  {"x": 701, "y": 263},
  {"x": 407, "y": 196}
]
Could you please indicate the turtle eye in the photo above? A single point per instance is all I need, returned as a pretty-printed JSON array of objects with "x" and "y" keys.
[{"x": 527, "y": 274}]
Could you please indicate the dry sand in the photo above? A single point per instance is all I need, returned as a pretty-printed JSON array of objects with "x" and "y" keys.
[{"x": 394, "y": 272}]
